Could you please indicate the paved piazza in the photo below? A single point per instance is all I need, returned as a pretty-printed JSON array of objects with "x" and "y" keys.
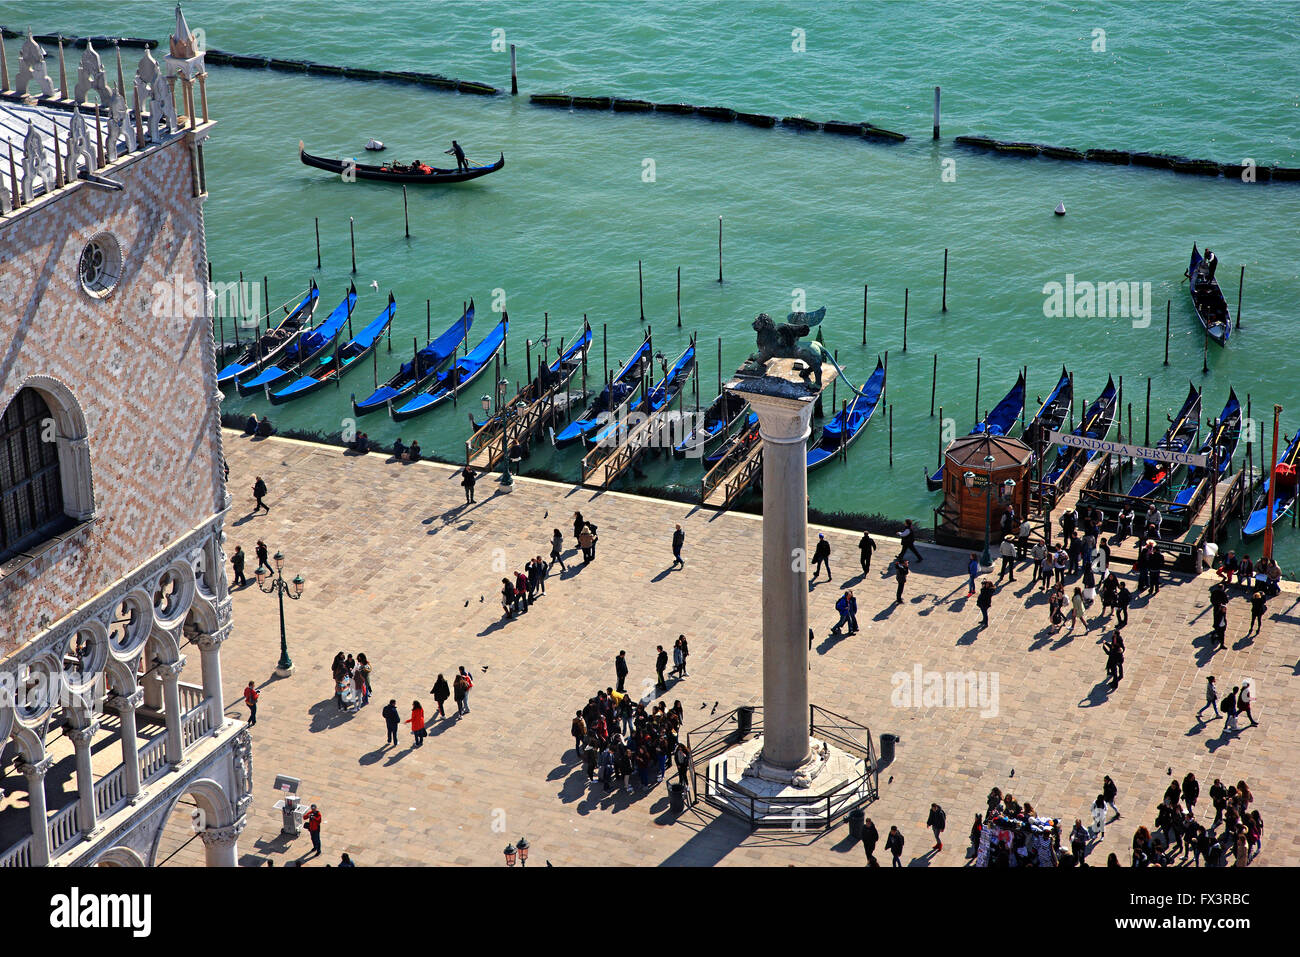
[{"x": 396, "y": 565}]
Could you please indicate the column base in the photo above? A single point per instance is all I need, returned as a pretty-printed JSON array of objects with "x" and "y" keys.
[
  {"x": 284, "y": 672},
  {"x": 813, "y": 796}
]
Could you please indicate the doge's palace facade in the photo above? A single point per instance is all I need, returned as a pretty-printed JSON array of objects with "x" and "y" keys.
[{"x": 113, "y": 593}]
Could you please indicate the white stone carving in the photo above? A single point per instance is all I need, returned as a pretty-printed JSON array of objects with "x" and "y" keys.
[
  {"x": 31, "y": 66},
  {"x": 152, "y": 90},
  {"x": 119, "y": 126},
  {"x": 80, "y": 146},
  {"x": 36, "y": 163},
  {"x": 91, "y": 76}
]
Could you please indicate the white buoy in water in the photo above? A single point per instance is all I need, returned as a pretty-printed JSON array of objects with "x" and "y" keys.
[
  {"x": 375, "y": 145},
  {"x": 1060, "y": 209}
]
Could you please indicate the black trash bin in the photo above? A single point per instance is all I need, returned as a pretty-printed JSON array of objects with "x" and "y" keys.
[
  {"x": 744, "y": 719},
  {"x": 856, "y": 820},
  {"x": 676, "y": 797},
  {"x": 887, "y": 743}
]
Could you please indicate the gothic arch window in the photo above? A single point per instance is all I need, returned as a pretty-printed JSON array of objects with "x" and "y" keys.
[{"x": 31, "y": 490}]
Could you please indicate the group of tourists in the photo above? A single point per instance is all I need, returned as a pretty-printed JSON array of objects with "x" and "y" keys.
[
  {"x": 625, "y": 744},
  {"x": 351, "y": 681},
  {"x": 529, "y": 584},
  {"x": 459, "y": 690},
  {"x": 1176, "y": 834}
]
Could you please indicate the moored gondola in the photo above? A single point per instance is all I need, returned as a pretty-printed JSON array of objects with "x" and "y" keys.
[
  {"x": 610, "y": 398},
  {"x": 267, "y": 347},
  {"x": 330, "y": 369},
  {"x": 1219, "y": 448},
  {"x": 416, "y": 173},
  {"x": 305, "y": 349},
  {"x": 1182, "y": 432},
  {"x": 659, "y": 396},
  {"x": 723, "y": 413},
  {"x": 1051, "y": 415},
  {"x": 422, "y": 367},
  {"x": 1286, "y": 475},
  {"x": 456, "y": 379},
  {"x": 998, "y": 422},
  {"x": 1096, "y": 424},
  {"x": 850, "y": 421}
]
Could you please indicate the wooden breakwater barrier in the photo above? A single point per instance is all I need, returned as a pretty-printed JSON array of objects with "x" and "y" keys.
[
  {"x": 1148, "y": 160},
  {"x": 255, "y": 62},
  {"x": 716, "y": 114}
]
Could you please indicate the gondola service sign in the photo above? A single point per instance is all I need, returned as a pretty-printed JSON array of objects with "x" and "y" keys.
[{"x": 1132, "y": 451}]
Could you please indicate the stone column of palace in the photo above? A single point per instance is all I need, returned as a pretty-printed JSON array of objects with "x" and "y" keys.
[
  {"x": 171, "y": 676},
  {"x": 783, "y": 424},
  {"x": 125, "y": 706},
  {"x": 35, "y": 774},
  {"x": 81, "y": 740},
  {"x": 219, "y": 844}
]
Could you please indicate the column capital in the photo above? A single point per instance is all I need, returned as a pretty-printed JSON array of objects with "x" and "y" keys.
[
  {"x": 128, "y": 702},
  {"x": 171, "y": 669},
  {"x": 81, "y": 737},
  {"x": 35, "y": 771},
  {"x": 781, "y": 420},
  {"x": 211, "y": 641},
  {"x": 223, "y": 836}
]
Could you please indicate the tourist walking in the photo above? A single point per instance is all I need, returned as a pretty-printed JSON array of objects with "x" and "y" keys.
[
  {"x": 679, "y": 539},
  {"x": 1110, "y": 792},
  {"x": 587, "y": 542},
  {"x": 393, "y": 720},
  {"x": 894, "y": 845},
  {"x": 1258, "y": 605},
  {"x": 620, "y": 668},
  {"x": 1245, "y": 699},
  {"x": 467, "y": 480},
  {"x": 1099, "y": 816},
  {"x": 440, "y": 693},
  {"x": 579, "y": 731},
  {"x": 1114, "y": 658},
  {"x": 866, "y": 545},
  {"x": 661, "y": 662},
  {"x": 907, "y": 539},
  {"x": 467, "y": 683},
  {"x": 678, "y": 661},
  {"x": 985, "y": 601},
  {"x": 936, "y": 822},
  {"x": 1122, "y": 599},
  {"x": 262, "y": 553},
  {"x": 1076, "y": 609},
  {"x": 313, "y": 822},
  {"x": 579, "y": 523},
  {"x": 972, "y": 569},
  {"x": 822, "y": 556},
  {"x": 1060, "y": 562},
  {"x": 259, "y": 493},
  {"x": 508, "y": 598},
  {"x": 1046, "y": 567},
  {"x": 1230, "y": 709},
  {"x": 900, "y": 572},
  {"x": 686, "y": 650},
  {"x": 1079, "y": 841},
  {"x": 870, "y": 837},
  {"x": 416, "y": 721},
  {"x": 557, "y": 550},
  {"x": 251, "y": 694},
  {"x": 237, "y": 564},
  {"x": 1191, "y": 791}
]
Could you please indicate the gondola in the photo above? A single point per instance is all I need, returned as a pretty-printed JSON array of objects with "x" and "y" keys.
[
  {"x": 723, "y": 413},
  {"x": 997, "y": 422},
  {"x": 1286, "y": 472},
  {"x": 1051, "y": 415},
  {"x": 458, "y": 377},
  {"x": 1096, "y": 424},
  {"x": 658, "y": 396},
  {"x": 558, "y": 376},
  {"x": 309, "y": 346},
  {"x": 1179, "y": 437},
  {"x": 267, "y": 347},
  {"x": 388, "y": 174},
  {"x": 740, "y": 435},
  {"x": 610, "y": 398},
  {"x": 331, "y": 369},
  {"x": 422, "y": 367},
  {"x": 1220, "y": 443},
  {"x": 1207, "y": 299},
  {"x": 849, "y": 422}
]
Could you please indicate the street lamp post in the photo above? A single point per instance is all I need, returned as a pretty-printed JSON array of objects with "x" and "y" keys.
[
  {"x": 507, "y": 414},
  {"x": 270, "y": 582},
  {"x": 986, "y": 559}
]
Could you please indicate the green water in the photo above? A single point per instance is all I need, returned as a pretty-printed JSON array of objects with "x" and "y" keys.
[{"x": 562, "y": 227}]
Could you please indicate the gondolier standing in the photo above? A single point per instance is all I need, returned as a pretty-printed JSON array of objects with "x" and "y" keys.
[{"x": 461, "y": 163}]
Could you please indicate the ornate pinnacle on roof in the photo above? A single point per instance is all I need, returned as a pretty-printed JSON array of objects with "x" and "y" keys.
[{"x": 182, "y": 41}]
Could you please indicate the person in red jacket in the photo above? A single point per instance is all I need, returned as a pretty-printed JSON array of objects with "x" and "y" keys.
[
  {"x": 416, "y": 721},
  {"x": 313, "y": 820},
  {"x": 251, "y": 694}
]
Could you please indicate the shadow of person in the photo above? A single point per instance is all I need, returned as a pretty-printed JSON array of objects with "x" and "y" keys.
[{"x": 1099, "y": 695}]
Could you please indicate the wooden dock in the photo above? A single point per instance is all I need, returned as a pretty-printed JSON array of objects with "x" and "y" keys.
[
  {"x": 606, "y": 463},
  {"x": 486, "y": 447},
  {"x": 731, "y": 477}
]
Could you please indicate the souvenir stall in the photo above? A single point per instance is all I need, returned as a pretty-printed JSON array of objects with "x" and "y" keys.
[{"x": 1016, "y": 842}]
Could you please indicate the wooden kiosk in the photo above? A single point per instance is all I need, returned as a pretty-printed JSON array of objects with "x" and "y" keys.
[{"x": 982, "y": 475}]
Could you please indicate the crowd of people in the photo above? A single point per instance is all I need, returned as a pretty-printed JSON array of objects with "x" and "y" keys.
[{"x": 626, "y": 745}]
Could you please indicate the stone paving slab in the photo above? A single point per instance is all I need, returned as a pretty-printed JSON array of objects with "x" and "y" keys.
[{"x": 399, "y": 568}]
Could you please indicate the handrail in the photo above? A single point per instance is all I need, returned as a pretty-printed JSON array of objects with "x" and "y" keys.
[
  {"x": 65, "y": 828},
  {"x": 153, "y": 758},
  {"x": 20, "y": 855},
  {"x": 110, "y": 792}
]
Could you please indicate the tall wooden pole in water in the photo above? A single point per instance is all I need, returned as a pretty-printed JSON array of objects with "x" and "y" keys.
[
  {"x": 1205, "y": 353},
  {"x": 317, "y": 243},
  {"x": 1272, "y": 490},
  {"x": 945, "y": 280},
  {"x": 936, "y": 113},
  {"x": 940, "y": 460},
  {"x": 1168, "y": 306},
  {"x": 719, "y": 249},
  {"x": 1119, "y": 410},
  {"x": 1148, "y": 414},
  {"x": 905, "y": 296},
  {"x": 978, "y": 360},
  {"x": 640, "y": 290},
  {"x": 864, "y": 314},
  {"x": 1240, "y": 283},
  {"x": 406, "y": 218},
  {"x": 679, "y": 297},
  {"x": 891, "y": 432},
  {"x": 934, "y": 381},
  {"x": 352, "y": 235},
  {"x": 514, "y": 75}
]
